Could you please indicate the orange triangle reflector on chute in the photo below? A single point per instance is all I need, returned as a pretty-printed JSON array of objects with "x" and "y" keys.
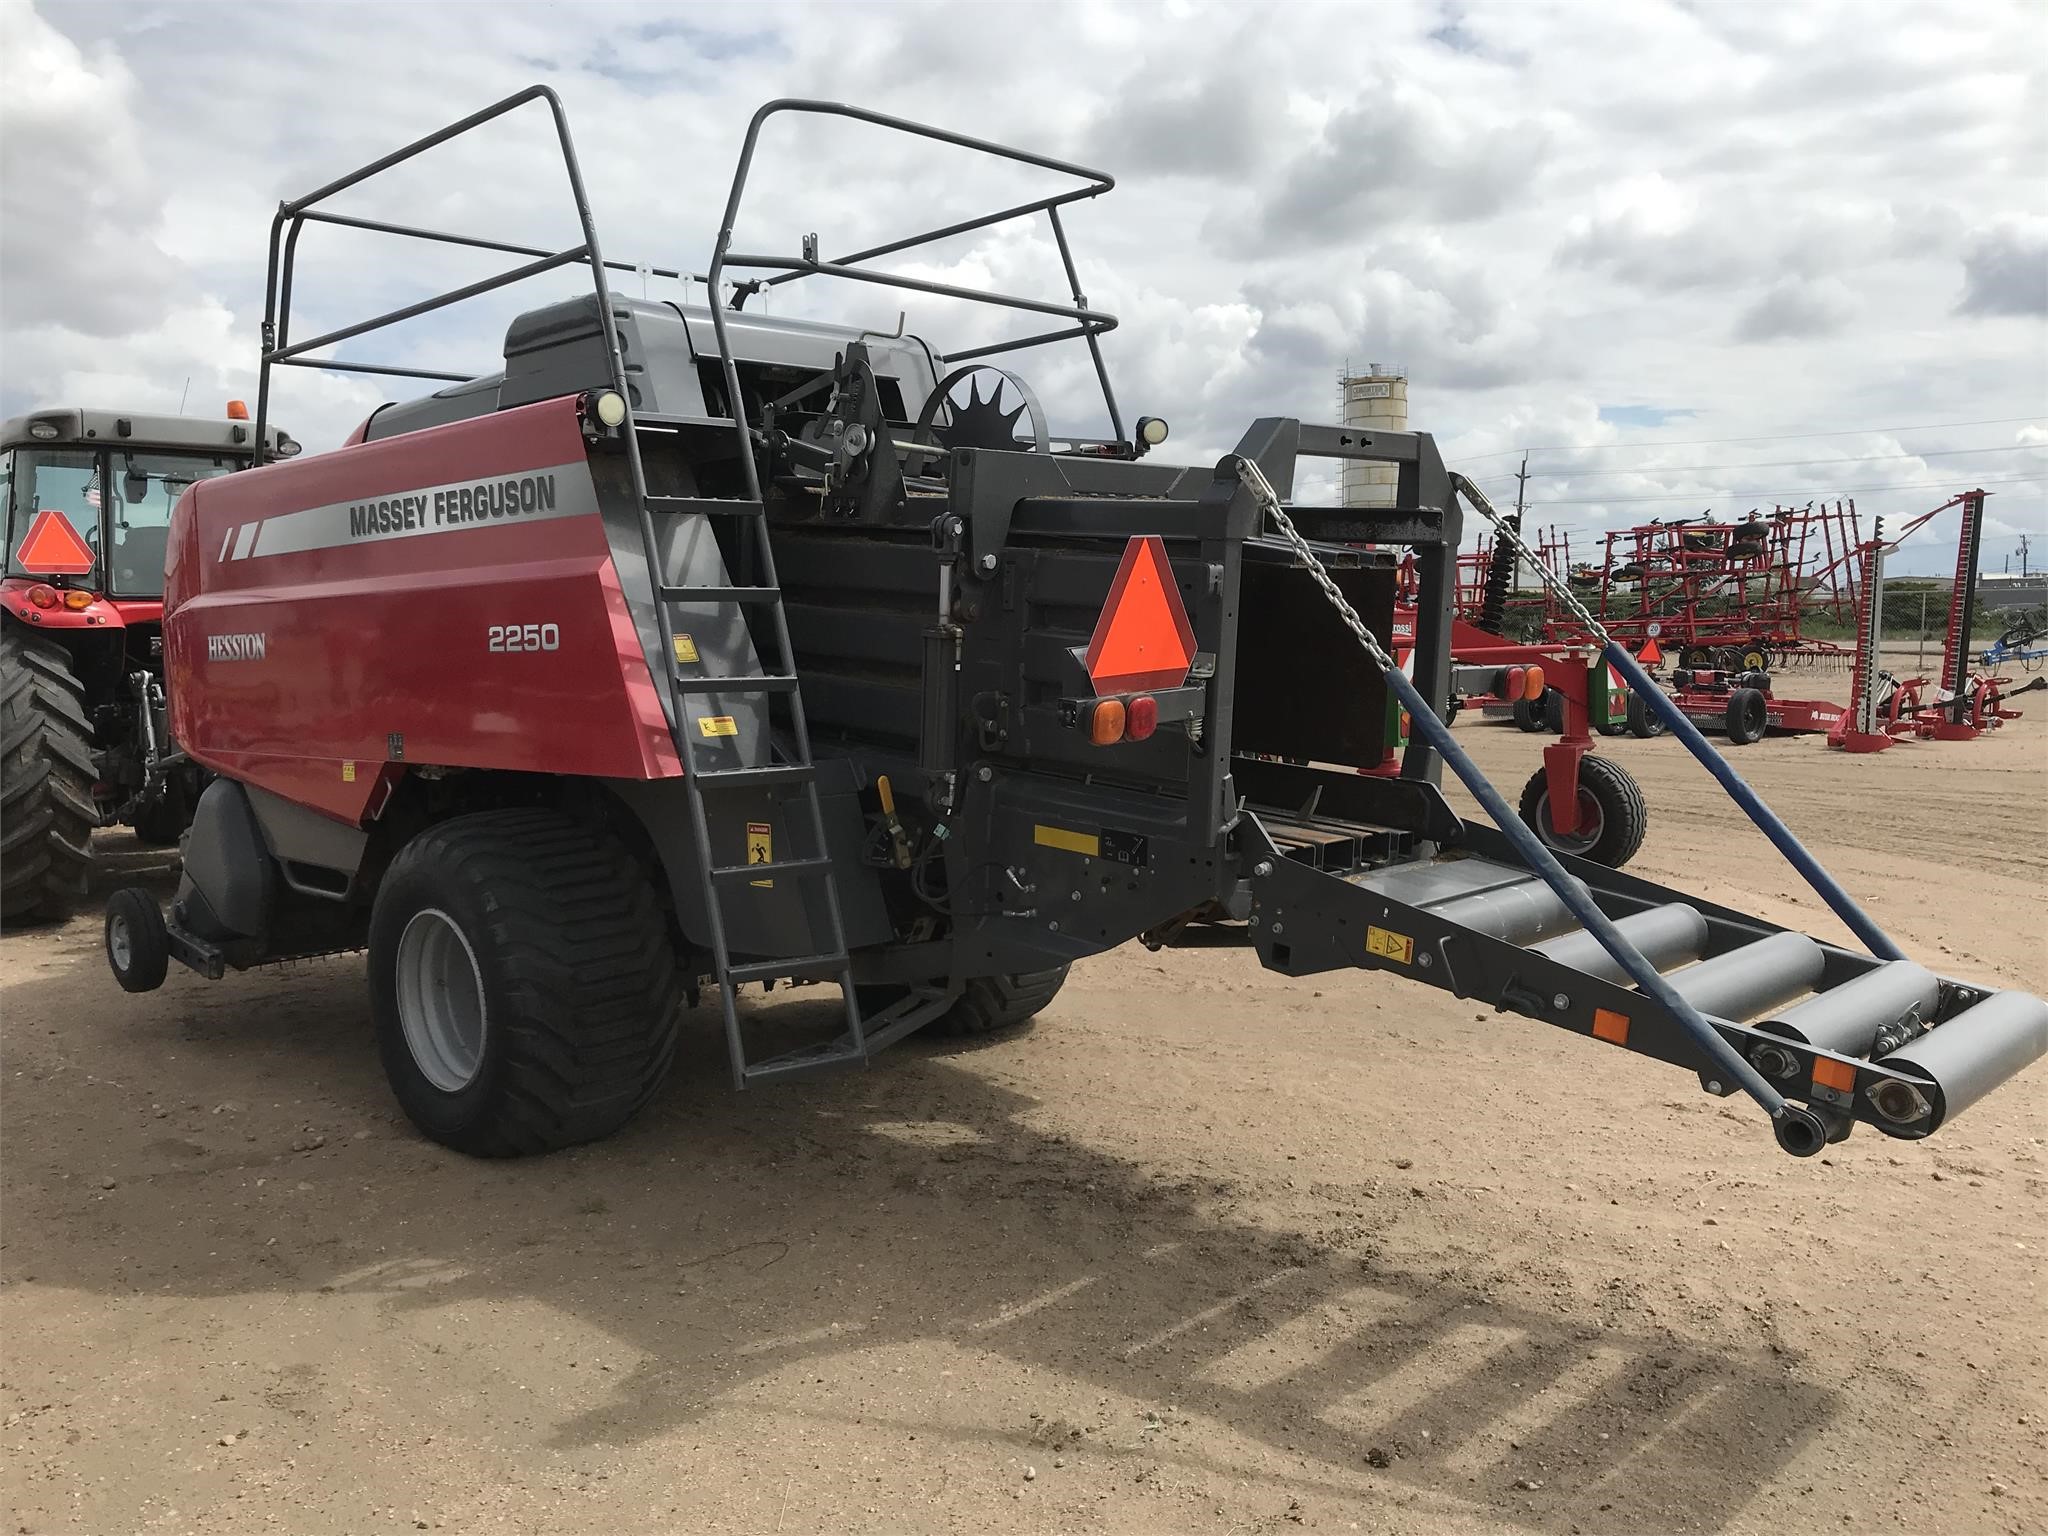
[
  {"x": 1143, "y": 639},
  {"x": 53, "y": 547}
]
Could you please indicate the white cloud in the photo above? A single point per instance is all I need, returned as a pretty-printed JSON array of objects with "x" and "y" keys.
[{"x": 1542, "y": 207}]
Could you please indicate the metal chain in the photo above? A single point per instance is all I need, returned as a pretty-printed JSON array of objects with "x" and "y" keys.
[
  {"x": 1269, "y": 501},
  {"x": 1504, "y": 529}
]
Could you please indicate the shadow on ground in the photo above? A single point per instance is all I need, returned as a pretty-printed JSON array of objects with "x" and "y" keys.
[{"x": 727, "y": 1238}]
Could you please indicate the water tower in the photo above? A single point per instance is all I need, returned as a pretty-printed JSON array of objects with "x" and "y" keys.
[{"x": 1374, "y": 401}]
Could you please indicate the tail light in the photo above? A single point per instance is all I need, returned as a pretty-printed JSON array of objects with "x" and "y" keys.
[
  {"x": 1532, "y": 685},
  {"x": 1508, "y": 683},
  {"x": 1106, "y": 724},
  {"x": 1141, "y": 717},
  {"x": 43, "y": 597},
  {"x": 76, "y": 600}
]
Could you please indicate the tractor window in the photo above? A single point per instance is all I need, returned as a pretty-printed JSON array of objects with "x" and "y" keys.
[
  {"x": 145, "y": 486},
  {"x": 65, "y": 480}
]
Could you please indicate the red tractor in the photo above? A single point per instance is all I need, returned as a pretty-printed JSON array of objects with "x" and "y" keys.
[{"x": 87, "y": 496}]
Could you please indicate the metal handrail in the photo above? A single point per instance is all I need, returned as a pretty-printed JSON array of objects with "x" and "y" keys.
[
  {"x": 294, "y": 214},
  {"x": 1091, "y": 323}
]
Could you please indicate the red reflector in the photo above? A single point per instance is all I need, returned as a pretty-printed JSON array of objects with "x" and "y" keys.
[
  {"x": 1106, "y": 723},
  {"x": 53, "y": 547},
  {"x": 1516, "y": 677},
  {"x": 1143, "y": 639},
  {"x": 43, "y": 597},
  {"x": 1141, "y": 717}
]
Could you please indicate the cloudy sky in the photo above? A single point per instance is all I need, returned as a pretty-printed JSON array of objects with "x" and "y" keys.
[{"x": 1692, "y": 255}]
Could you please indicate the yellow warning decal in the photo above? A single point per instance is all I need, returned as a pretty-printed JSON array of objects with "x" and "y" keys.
[
  {"x": 1389, "y": 945},
  {"x": 686, "y": 648},
  {"x": 761, "y": 849},
  {"x": 1072, "y": 842},
  {"x": 717, "y": 725},
  {"x": 348, "y": 771}
]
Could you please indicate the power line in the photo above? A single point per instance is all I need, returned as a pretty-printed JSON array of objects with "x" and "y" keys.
[
  {"x": 1768, "y": 437},
  {"x": 1867, "y": 458},
  {"x": 1745, "y": 495}
]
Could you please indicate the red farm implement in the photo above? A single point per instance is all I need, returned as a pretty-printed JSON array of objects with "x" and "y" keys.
[
  {"x": 1730, "y": 595},
  {"x": 1961, "y": 704}
]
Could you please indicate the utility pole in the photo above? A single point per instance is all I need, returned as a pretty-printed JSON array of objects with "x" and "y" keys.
[
  {"x": 1522, "y": 482},
  {"x": 2023, "y": 557}
]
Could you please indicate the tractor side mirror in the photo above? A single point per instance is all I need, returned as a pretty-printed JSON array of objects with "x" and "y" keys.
[{"x": 134, "y": 487}]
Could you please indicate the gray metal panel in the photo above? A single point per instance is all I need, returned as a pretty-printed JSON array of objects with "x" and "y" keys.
[
  {"x": 1417, "y": 885},
  {"x": 458, "y": 402},
  {"x": 305, "y": 836},
  {"x": 229, "y": 885}
]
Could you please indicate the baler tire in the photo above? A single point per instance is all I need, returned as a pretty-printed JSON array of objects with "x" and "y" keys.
[
  {"x": 994, "y": 1004},
  {"x": 1552, "y": 706},
  {"x": 1644, "y": 722},
  {"x": 1748, "y": 716},
  {"x": 47, "y": 814},
  {"x": 138, "y": 943},
  {"x": 572, "y": 964},
  {"x": 990, "y": 1005},
  {"x": 1616, "y": 798},
  {"x": 1527, "y": 714}
]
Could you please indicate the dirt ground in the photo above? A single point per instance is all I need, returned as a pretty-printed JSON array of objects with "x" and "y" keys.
[{"x": 1208, "y": 1250}]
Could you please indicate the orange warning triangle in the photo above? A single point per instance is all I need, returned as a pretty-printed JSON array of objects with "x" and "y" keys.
[
  {"x": 1143, "y": 639},
  {"x": 53, "y": 547},
  {"x": 1649, "y": 655}
]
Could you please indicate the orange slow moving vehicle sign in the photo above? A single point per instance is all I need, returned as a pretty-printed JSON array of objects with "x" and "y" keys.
[
  {"x": 53, "y": 547},
  {"x": 1143, "y": 639}
]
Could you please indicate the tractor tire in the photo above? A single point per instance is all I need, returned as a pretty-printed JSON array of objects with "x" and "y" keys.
[
  {"x": 138, "y": 944},
  {"x": 523, "y": 982},
  {"x": 1643, "y": 721},
  {"x": 1612, "y": 814},
  {"x": 1748, "y": 716},
  {"x": 47, "y": 773}
]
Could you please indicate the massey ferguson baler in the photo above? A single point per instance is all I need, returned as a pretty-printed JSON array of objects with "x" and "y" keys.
[{"x": 701, "y": 647}]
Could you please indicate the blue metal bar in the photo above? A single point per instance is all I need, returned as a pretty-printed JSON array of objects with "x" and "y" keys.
[
  {"x": 1823, "y": 883},
  {"x": 1572, "y": 891}
]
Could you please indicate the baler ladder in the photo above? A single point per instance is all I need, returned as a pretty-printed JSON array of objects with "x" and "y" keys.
[{"x": 684, "y": 680}]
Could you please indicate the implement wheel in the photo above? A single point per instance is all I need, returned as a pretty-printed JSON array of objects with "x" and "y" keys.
[
  {"x": 1612, "y": 815},
  {"x": 1643, "y": 721},
  {"x": 46, "y": 776},
  {"x": 523, "y": 983},
  {"x": 1748, "y": 716}
]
